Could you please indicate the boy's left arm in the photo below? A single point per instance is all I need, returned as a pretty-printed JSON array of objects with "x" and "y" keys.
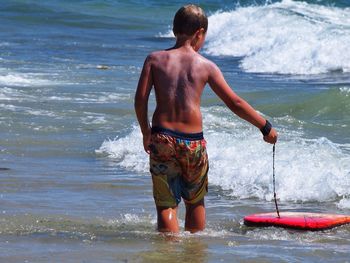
[
  {"x": 141, "y": 102},
  {"x": 236, "y": 104}
]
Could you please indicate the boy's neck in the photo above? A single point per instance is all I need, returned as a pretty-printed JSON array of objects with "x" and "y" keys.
[{"x": 184, "y": 41}]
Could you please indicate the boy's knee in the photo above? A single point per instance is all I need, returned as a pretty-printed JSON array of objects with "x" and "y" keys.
[
  {"x": 195, "y": 216},
  {"x": 167, "y": 219}
]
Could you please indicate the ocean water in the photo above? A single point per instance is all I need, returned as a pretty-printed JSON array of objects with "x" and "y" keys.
[{"x": 74, "y": 181}]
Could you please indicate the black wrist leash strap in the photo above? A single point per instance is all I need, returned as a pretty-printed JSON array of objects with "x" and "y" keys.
[{"x": 274, "y": 182}]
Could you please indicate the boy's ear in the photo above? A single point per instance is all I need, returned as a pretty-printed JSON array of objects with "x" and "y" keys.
[
  {"x": 201, "y": 33},
  {"x": 198, "y": 39}
]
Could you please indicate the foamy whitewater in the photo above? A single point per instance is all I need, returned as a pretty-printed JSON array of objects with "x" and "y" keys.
[
  {"x": 24, "y": 80},
  {"x": 288, "y": 37},
  {"x": 307, "y": 169}
]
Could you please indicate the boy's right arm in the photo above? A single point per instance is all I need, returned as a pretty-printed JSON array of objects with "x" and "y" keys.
[
  {"x": 141, "y": 102},
  {"x": 236, "y": 104}
]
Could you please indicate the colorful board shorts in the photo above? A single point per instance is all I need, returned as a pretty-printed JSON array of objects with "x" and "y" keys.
[{"x": 179, "y": 167}]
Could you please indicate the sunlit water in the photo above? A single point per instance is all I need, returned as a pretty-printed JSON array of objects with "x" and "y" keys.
[{"x": 74, "y": 182}]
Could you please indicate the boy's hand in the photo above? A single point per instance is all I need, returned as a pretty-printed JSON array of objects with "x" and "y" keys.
[
  {"x": 147, "y": 142},
  {"x": 271, "y": 137}
]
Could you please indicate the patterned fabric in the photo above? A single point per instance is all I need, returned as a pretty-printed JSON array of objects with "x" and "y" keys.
[{"x": 179, "y": 168}]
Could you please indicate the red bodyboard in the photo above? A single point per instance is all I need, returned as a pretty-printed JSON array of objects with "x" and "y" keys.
[{"x": 297, "y": 220}]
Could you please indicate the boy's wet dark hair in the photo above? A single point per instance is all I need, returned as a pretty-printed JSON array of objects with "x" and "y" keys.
[{"x": 188, "y": 19}]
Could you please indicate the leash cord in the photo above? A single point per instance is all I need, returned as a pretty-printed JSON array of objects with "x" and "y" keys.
[{"x": 274, "y": 181}]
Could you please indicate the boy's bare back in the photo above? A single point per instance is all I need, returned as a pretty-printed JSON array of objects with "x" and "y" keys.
[{"x": 179, "y": 77}]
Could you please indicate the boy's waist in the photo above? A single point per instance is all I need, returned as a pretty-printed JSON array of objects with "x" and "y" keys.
[{"x": 180, "y": 135}]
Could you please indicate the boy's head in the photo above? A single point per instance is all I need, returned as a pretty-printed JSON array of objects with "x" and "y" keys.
[{"x": 188, "y": 20}]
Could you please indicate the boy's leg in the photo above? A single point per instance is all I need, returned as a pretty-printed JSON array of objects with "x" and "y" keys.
[
  {"x": 165, "y": 172},
  {"x": 195, "y": 216},
  {"x": 167, "y": 219}
]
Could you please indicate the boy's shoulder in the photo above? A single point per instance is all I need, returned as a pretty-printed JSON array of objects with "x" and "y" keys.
[
  {"x": 159, "y": 55},
  {"x": 155, "y": 57},
  {"x": 156, "y": 54}
]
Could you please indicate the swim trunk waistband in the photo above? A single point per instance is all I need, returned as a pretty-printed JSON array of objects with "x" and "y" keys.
[{"x": 179, "y": 135}]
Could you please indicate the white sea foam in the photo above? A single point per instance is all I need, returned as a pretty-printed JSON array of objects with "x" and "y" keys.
[
  {"x": 19, "y": 95},
  {"x": 100, "y": 97},
  {"x": 281, "y": 234},
  {"x": 4, "y": 44},
  {"x": 25, "y": 80},
  {"x": 241, "y": 163},
  {"x": 345, "y": 91},
  {"x": 344, "y": 203},
  {"x": 93, "y": 118},
  {"x": 10, "y": 94},
  {"x": 27, "y": 110},
  {"x": 140, "y": 224},
  {"x": 127, "y": 151},
  {"x": 134, "y": 219},
  {"x": 286, "y": 37},
  {"x": 168, "y": 34}
]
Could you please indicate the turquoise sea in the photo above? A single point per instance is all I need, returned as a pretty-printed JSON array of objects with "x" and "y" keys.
[{"x": 74, "y": 181}]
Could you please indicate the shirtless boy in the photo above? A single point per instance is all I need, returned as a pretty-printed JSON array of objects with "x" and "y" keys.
[{"x": 174, "y": 140}]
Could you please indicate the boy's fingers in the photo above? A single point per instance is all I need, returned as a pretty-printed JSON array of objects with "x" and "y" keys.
[
  {"x": 148, "y": 149},
  {"x": 270, "y": 139}
]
